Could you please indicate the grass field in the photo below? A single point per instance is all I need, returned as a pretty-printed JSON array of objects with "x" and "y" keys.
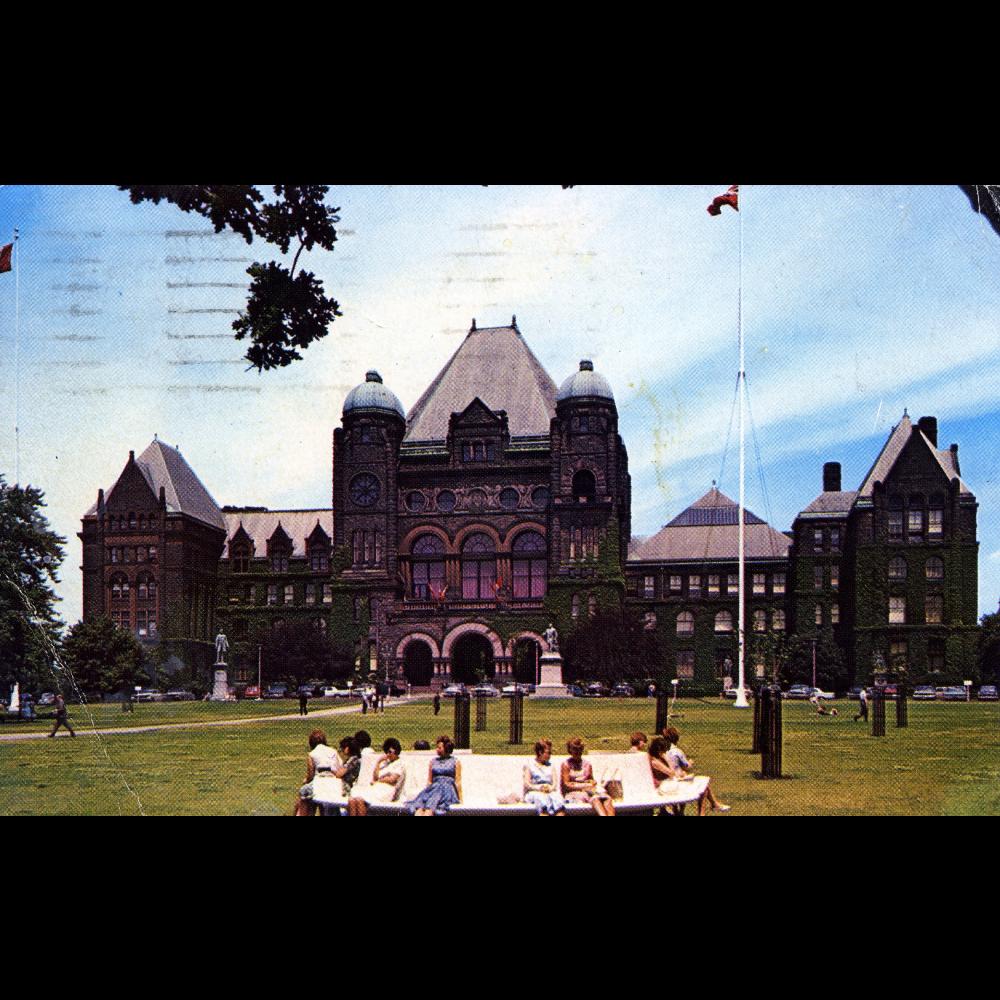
[{"x": 945, "y": 763}]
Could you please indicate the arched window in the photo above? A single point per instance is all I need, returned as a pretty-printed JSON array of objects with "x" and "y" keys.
[
  {"x": 575, "y": 607},
  {"x": 320, "y": 624},
  {"x": 649, "y": 621},
  {"x": 934, "y": 568},
  {"x": 591, "y": 605},
  {"x": 240, "y": 556},
  {"x": 131, "y": 519},
  {"x": 530, "y": 565},
  {"x": 584, "y": 487},
  {"x": 778, "y": 620},
  {"x": 685, "y": 623},
  {"x": 760, "y": 620},
  {"x": 818, "y": 614},
  {"x": 119, "y": 587},
  {"x": 897, "y": 568},
  {"x": 145, "y": 587},
  {"x": 723, "y": 622},
  {"x": 428, "y": 568},
  {"x": 479, "y": 567}
]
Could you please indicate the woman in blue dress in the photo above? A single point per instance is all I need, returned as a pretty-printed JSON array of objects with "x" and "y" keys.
[
  {"x": 540, "y": 783},
  {"x": 444, "y": 787}
]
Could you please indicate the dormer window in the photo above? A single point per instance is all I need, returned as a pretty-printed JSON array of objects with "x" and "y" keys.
[
  {"x": 319, "y": 559},
  {"x": 478, "y": 451},
  {"x": 241, "y": 559}
]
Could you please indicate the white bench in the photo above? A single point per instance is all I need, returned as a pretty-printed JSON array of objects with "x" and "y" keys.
[{"x": 488, "y": 778}]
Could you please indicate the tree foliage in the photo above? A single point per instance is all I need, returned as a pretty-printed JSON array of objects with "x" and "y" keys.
[
  {"x": 297, "y": 652},
  {"x": 613, "y": 646},
  {"x": 284, "y": 311},
  {"x": 30, "y": 554},
  {"x": 831, "y": 671},
  {"x": 103, "y": 658},
  {"x": 988, "y": 652}
]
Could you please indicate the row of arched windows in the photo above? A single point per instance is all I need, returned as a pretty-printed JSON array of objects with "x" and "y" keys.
[
  {"x": 723, "y": 621},
  {"x": 119, "y": 587},
  {"x": 130, "y": 522}
]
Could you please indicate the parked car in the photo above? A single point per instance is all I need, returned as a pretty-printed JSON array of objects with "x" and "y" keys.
[
  {"x": 575, "y": 690},
  {"x": 305, "y": 689},
  {"x": 798, "y": 692},
  {"x": 925, "y": 692},
  {"x": 452, "y": 690},
  {"x": 276, "y": 691},
  {"x": 251, "y": 691},
  {"x": 149, "y": 694},
  {"x": 485, "y": 689},
  {"x": 48, "y": 698},
  {"x": 179, "y": 694},
  {"x": 821, "y": 694},
  {"x": 337, "y": 692},
  {"x": 623, "y": 690},
  {"x": 511, "y": 689},
  {"x": 888, "y": 691},
  {"x": 731, "y": 692},
  {"x": 951, "y": 693},
  {"x": 988, "y": 692},
  {"x": 595, "y": 690}
]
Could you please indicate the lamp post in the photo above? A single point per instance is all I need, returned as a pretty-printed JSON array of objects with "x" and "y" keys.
[{"x": 260, "y": 693}]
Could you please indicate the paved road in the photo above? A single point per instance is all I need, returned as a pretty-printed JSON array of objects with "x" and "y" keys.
[{"x": 313, "y": 713}]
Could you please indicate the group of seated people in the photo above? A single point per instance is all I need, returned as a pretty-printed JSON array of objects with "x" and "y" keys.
[{"x": 542, "y": 789}]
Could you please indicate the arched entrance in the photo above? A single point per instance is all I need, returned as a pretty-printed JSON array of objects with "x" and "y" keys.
[
  {"x": 471, "y": 657},
  {"x": 525, "y": 661},
  {"x": 418, "y": 663}
]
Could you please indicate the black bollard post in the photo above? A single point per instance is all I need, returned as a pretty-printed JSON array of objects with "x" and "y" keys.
[
  {"x": 462, "y": 703},
  {"x": 901, "y": 717},
  {"x": 662, "y": 710},
  {"x": 755, "y": 748},
  {"x": 517, "y": 719},
  {"x": 480, "y": 713},
  {"x": 878, "y": 711},
  {"x": 770, "y": 758}
]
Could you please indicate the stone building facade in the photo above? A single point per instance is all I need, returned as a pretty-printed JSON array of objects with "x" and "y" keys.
[{"x": 500, "y": 503}]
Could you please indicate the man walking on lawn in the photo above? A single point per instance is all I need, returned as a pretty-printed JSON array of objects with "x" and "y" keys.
[
  {"x": 62, "y": 717},
  {"x": 862, "y": 705}
]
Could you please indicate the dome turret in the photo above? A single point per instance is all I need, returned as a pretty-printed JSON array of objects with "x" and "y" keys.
[
  {"x": 373, "y": 395},
  {"x": 585, "y": 383}
]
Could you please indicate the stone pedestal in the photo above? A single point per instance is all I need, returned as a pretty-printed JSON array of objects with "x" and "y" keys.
[
  {"x": 551, "y": 684},
  {"x": 220, "y": 689}
]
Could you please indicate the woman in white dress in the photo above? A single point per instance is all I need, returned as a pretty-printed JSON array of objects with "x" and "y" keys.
[
  {"x": 387, "y": 781},
  {"x": 540, "y": 783}
]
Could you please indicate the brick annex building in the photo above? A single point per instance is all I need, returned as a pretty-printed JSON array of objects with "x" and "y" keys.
[{"x": 499, "y": 503}]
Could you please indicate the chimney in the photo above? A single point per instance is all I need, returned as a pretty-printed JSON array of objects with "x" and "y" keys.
[
  {"x": 929, "y": 426},
  {"x": 831, "y": 477},
  {"x": 954, "y": 459}
]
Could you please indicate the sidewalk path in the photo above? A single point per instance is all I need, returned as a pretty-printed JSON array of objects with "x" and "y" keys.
[{"x": 320, "y": 713}]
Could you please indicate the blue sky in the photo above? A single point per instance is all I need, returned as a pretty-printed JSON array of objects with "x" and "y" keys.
[{"x": 858, "y": 302}]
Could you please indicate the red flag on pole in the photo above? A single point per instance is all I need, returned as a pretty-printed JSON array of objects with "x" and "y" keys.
[
  {"x": 730, "y": 198},
  {"x": 5, "y": 255}
]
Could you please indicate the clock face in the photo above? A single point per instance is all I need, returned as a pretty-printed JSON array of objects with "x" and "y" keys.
[{"x": 364, "y": 489}]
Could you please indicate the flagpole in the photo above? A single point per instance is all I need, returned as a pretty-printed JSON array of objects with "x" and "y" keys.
[
  {"x": 17, "y": 360},
  {"x": 741, "y": 694}
]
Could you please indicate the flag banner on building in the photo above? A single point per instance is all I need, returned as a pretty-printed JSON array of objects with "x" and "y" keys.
[
  {"x": 5, "y": 255},
  {"x": 730, "y": 198}
]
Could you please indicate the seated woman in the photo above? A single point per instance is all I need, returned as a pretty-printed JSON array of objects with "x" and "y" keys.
[
  {"x": 638, "y": 741},
  {"x": 387, "y": 781},
  {"x": 577, "y": 782},
  {"x": 540, "y": 784},
  {"x": 683, "y": 767},
  {"x": 321, "y": 763},
  {"x": 444, "y": 783},
  {"x": 665, "y": 778}
]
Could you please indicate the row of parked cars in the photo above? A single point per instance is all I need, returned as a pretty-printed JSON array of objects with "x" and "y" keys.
[{"x": 489, "y": 690}]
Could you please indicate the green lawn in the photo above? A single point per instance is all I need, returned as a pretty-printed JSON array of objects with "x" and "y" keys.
[{"x": 946, "y": 762}]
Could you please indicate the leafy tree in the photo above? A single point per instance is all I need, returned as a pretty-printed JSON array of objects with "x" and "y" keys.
[
  {"x": 30, "y": 554},
  {"x": 299, "y": 652},
  {"x": 103, "y": 658},
  {"x": 284, "y": 311},
  {"x": 831, "y": 671},
  {"x": 613, "y": 646},
  {"x": 989, "y": 648}
]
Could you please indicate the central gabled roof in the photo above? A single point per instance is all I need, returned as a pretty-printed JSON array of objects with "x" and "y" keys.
[{"x": 495, "y": 364}]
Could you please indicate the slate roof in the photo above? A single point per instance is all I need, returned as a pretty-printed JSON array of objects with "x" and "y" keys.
[
  {"x": 261, "y": 525},
  {"x": 832, "y": 502},
  {"x": 495, "y": 364},
  {"x": 709, "y": 530},
  {"x": 891, "y": 451},
  {"x": 164, "y": 466}
]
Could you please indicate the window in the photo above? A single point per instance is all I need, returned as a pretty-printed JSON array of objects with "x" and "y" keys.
[
  {"x": 584, "y": 487},
  {"x": 685, "y": 665},
  {"x": 479, "y": 567},
  {"x": 676, "y": 584},
  {"x": 279, "y": 561},
  {"x": 328, "y": 593},
  {"x": 733, "y": 584},
  {"x": 476, "y": 500},
  {"x": 310, "y": 593},
  {"x": 895, "y": 525},
  {"x": 897, "y": 568},
  {"x": 778, "y": 620},
  {"x": 320, "y": 625},
  {"x": 446, "y": 501},
  {"x": 530, "y": 565},
  {"x": 649, "y": 621},
  {"x": 760, "y": 620},
  {"x": 591, "y": 605},
  {"x": 359, "y": 607},
  {"x": 713, "y": 586},
  {"x": 145, "y": 624},
  {"x": 428, "y": 568},
  {"x": 935, "y": 654},
  {"x": 478, "y": 451},
  {"x": 113, "y": 555},
  {"x": 319, "y": 560},
  {"x": 915, "y": 525},
  {"x": 817, "y": 540},
  {"x": 146, "y": 588},
  {"x": 540, "y": 497},
  {"x": 897, "y": 610},
  {"x": 119, "y": 587},
  {"x": 272, "y": 593},
  {"x": 366, "y": 434},
  {"x": 140, "y": 554},
  {"x": 935, "y": 522},
  {"x": 685, "y": 623},
  {"x": 835, "y": 538},
  {"x": 250, "y": 593},
  {"x": 131, "y": 520},
  {"x": 121, "y": 619},
  {"x": 234, "y": 595},
  {"x": 278, "y": 624},
  {"x": 415, "y": 502},
  {"x": 367, "y": 548},
  {"x": 760, "y": 583},
  {"x": 817, "y": 577},
  {"x": 933, "y": 609},
  {"x": 934, "y": 569},
  {"x": 509, "y": 498},
  {"x": 289, "y": 594},
  {"x": 649, "y": 586},
  {"x": 694, "y": 586},
  {"x": 834, "y": 614},
  {"x": 575, "y": 607},
  {"x": 723, "y": 622},
  {"x": 128, "y": 553},
  {"x": 152, "y": 553},
  {"x": 818, "y": 614},
  {"x": 898, "y": 653},
  {"x": 835, "y": 576},
  {"x": 778, "y": 583}
]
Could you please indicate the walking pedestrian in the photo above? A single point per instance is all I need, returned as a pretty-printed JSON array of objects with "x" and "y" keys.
[
  {"x": 303, "y": 703},
  {"x": 862, "y": 705},
  {"x": 62, "y": 716},
  {"x": 437, "y": 703}
]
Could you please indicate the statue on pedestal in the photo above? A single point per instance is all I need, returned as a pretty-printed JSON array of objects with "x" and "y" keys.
[
  {"x": 551, "y": 637},
  {"x": 221, "y": 648}
]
